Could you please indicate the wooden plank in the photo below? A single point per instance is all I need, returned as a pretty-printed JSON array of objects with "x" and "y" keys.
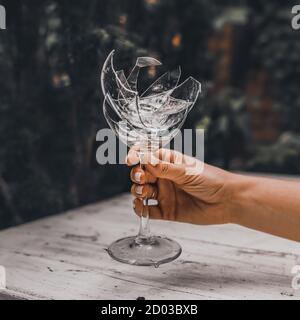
[{"x": 64, "y": 257}]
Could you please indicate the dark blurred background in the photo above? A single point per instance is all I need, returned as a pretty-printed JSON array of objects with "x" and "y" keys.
[{"x": 245, "y": 53}]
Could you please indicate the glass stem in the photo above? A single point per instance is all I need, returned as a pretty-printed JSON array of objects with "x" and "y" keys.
[{"x": 144, "y": 231}]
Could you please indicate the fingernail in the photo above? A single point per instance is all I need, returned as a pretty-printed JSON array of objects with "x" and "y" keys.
[
  {"x": 137, "y": 176},
  {"x": 139, "y": 189},
  {"x": 154, "y": 162},
  {"x": 130, "y": 161}
]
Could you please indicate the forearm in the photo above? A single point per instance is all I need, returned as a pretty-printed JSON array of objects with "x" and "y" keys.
[{"x": 267, "y": 205}]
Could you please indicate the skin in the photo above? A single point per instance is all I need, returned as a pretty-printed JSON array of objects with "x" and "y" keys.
[{"x": 209, "y": 195}]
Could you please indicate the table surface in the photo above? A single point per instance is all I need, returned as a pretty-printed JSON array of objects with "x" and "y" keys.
[{"x": 64, "y": 257}]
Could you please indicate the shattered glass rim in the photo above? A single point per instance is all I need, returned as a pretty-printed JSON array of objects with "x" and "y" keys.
[
  {"x": 110, "y": 57},
  {"x": 130, "y": 100}
]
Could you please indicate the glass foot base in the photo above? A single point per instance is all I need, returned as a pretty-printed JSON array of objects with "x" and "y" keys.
[{"x": 152, "y": 251}]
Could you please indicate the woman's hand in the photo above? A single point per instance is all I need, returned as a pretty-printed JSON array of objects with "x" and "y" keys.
[
  {"x": 186, "y": 189},
  {"x": 189, "y": 191}
]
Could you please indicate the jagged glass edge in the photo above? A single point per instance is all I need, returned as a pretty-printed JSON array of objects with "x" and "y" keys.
[
  {"x": 136, "y": 70},
  {"x": 110, "y": 58},
  {"x": 157, "y": 80},
  {"x": 183, "y": 83},
  {"x": 135, "y": 93}
]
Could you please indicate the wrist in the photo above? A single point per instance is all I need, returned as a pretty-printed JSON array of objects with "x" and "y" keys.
[{"x": 240, "y": 194}]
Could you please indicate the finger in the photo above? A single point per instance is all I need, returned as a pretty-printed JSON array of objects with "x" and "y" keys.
[
  {"x": 191, "y": 165},
  {"x": 167, "y": 170},
  {"x": 140, "y": 176},
  {"x": 147, "y": 191},
  {"x": 171, "y": 156},
  {"x": 154, "y": 211},
  {"x": 173, "y": 165},
  {"x": 166, "y": 155},
  {"x": 132, "y": 157}
]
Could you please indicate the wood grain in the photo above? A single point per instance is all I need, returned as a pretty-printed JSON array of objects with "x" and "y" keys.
[{"x": 64, "y": 257}]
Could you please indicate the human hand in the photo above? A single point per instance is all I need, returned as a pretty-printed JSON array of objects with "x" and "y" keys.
[{"x": 198, "y": 196}]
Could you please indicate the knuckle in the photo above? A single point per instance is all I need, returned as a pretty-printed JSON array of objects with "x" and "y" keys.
[
  {"x": 132, "y": 190},
  {"x": 132, "y": 174},
  {"x": 164, "y": 168}
]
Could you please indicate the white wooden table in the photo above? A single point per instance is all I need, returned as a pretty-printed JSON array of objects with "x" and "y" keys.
[{"x": 64, "y": 257}]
